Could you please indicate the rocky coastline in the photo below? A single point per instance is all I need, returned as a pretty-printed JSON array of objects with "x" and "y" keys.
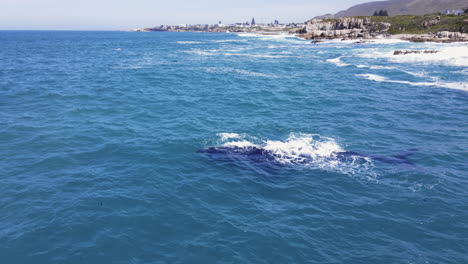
[
  {"x": 362, "y": 29},
  {"x": 439, "y": 37},
  {"x": 405, "y": 52},
  {"x": 343, "y": 28}
]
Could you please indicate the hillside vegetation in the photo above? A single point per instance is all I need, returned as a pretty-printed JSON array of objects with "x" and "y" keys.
[{"x": 412, "y": 24}]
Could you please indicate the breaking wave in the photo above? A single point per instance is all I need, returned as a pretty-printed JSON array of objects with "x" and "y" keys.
[
  {"x": 378, "y": 40},
  {"x": 269, "y": 56},
  {"x": 230, "y": 40},
  {"x": 451, "y": 56},
  {"x": 376, "y": 67},
  {"x": 451, "y": 85},
  {"x": 233, "y": 53},
  {"x": 189, "y": 42},
  {"x": 200, "y": 52},
  {"x": 239, "y": 71},
  {"x": 299, "y": 149},
  {"x": 275, "y": 37},
  {"x": 338, "y": 62}
]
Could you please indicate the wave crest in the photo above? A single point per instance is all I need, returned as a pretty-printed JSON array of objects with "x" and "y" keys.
[
  {"x": 437, "y": 83},
  {"x": 449, "y": 56}
]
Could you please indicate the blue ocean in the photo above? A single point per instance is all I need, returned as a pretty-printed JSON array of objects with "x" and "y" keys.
[{"x": 127, "y": 147}]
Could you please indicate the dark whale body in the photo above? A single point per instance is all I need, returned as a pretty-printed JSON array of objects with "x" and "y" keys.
[
  {"x": 260, "y": 155},
  {"x": 255, "y": 154}
]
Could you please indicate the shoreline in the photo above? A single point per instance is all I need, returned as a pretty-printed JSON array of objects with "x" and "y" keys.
[
  {"x": 416, "y": 38},
  {"x": 440, "y": 37},
  {"x": 444, "y": 37}
]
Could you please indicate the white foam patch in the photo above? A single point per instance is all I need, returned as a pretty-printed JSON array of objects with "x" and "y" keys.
[
  {"x": 234, "y": 52},
  {"x": 416, "y": 74},
  {"x": 338, "y": 62},
  {"x": 376, "y": 67},
  {"x": 240, "y": 71},
  {"x": 382, "y": 68},
  {"x": 378, "y": 40},
  {"x": 373, "y": 77},
  {"x": 240, "y": 144},
  {"x": 269, "y": 56},
  {"x": 248, "y": 35},
  {"x": 465, "y": 71},
  {"x": 255, "y": 35},
  {"x": 230, "y": 40},
  {"x": 275, "y": 37},
  {"x": 309, "y": 150},
  {"x": 200, "y": 52},
  {"x": 251, "y": 73},
  {"x": 451, "y": 85},
  {"x": 384, "y": 40},
  {"x": 189, "y": 42},
  {"x": 302, "y": 146},
  {"x": 447, "y": 55},
  {"x": 226, "y": 136},
  {"x": 237, "y": 49}
]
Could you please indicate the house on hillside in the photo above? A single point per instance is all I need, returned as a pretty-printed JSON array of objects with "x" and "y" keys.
[{"x": 453, "y": 12}]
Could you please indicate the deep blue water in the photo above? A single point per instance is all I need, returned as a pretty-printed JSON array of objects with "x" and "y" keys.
[{"x": 99, "y": 133}]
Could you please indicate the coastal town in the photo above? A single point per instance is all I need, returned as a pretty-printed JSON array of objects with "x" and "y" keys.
[{"x": 249, "y": 26}]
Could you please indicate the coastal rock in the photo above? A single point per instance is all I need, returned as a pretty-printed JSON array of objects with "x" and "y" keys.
[
  {"x": 316, "y": 41},
  {"x": 432, "y": 22},
  {"x": 344, "y": 23},
  {"x": 405, "y": 52},
  {"x": 344, "y": 27},
  {"x": 442, "y": 37},
  {"x": 450, "y": 35}
]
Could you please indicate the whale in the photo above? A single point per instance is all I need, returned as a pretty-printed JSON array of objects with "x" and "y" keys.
[{"x": 258, "y": 154}]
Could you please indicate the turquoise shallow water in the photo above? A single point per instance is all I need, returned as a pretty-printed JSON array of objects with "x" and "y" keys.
[{"x": 99, "y": 133}]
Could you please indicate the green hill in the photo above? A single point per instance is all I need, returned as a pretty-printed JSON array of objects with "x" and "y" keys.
[{"x": 412, "y": 24}]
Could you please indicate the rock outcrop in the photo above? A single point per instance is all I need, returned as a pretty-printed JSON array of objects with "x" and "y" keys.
[
  {"x": 451, "y": 35},
  {"x": 432, "y": 22},
  {"x": 344, "y": 27},
  {"x": 443, "y": 36},
  {"x": 405, "y": 52}
]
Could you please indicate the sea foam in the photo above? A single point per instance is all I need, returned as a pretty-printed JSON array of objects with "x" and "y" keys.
[
  {"x": 276, "y": 37},
  {"x": 437, "y": 83},
  {"x": 239, "y": 71},
  {"x": 455, "y": 55},
  {"x": 305, "y": 150},
  {"x": 338, "y": 62},
  {"x": 189, "y": 42}
]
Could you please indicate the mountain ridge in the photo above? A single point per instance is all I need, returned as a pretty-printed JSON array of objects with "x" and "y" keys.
[{"x": 403, "y": 7}]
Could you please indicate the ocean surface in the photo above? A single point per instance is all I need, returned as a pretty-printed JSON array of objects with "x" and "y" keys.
[{"x": 325, "y": 153}]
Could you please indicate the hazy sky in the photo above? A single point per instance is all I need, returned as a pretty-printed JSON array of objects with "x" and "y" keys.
[{"x": 129, "y": 14}]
